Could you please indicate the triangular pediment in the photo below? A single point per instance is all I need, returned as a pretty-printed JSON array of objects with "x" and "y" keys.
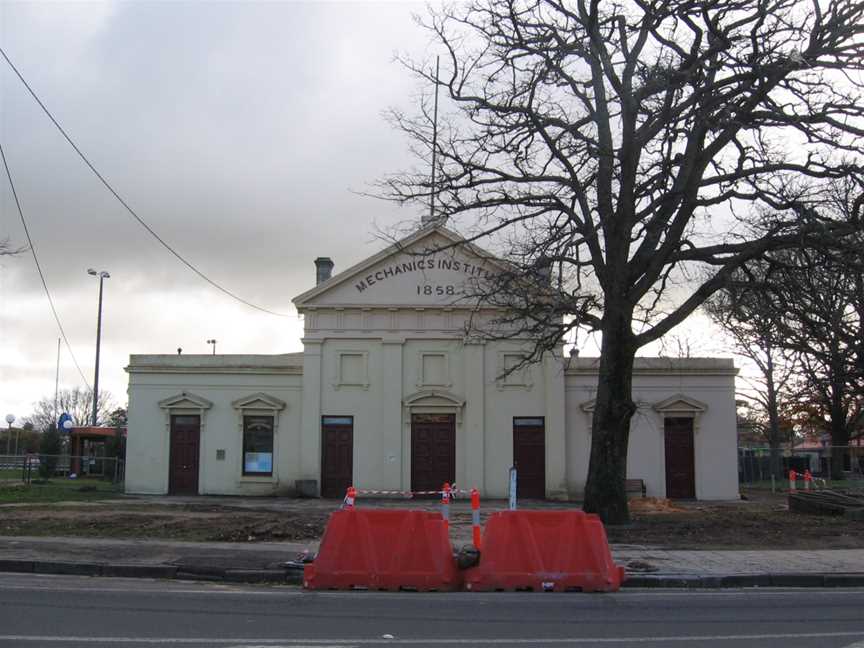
[
  {"x": 429, "y": 268},
  {"x": 259, "y": 401},
  {"x": 433, "y": 398},
  {"x": 680, "y": 404},
  {"x": 185, "y": 400}
]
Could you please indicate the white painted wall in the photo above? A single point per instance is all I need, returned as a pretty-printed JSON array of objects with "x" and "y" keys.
[
  {"x": 390, "y": 323},
  {"x": 382, "y": 433},
  {"x": 221, "y": 380},
  {"x": 708, "y": 380}
]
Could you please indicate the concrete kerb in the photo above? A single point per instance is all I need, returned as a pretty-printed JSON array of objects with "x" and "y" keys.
[
  {"x": 294, "y": 576},
  {"x": 688, "y": 581},
  {"x": 285, "y": 576}
]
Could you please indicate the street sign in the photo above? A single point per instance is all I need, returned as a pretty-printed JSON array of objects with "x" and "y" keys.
[{"x": 65, "y": 422}]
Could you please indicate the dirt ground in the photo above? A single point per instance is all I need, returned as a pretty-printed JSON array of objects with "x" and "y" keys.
[
  {"x": 117, "y": 519},
  {"x": 760, "y": 522}
]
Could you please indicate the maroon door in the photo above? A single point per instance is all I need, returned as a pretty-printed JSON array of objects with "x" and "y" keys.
[
  {"x": 337, "y": 455},
  {"x": 183, "y": 471},
  {"x": 680, "y": 468},
  {"x": 529, "y": 457},
  {"x": 433, "y": 451}
]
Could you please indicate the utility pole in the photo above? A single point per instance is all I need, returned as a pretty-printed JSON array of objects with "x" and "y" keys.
[
  {"x": 57, "y": 383},
  {"x": 103, "y": 275}
]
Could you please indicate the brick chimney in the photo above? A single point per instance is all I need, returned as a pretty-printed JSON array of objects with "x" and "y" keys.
[{"x": 323, "y": 269}]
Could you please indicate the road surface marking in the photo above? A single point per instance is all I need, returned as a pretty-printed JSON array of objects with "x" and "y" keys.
[
  {"x": 327, "y": 643},
  {"x": 290, "y": 591}
]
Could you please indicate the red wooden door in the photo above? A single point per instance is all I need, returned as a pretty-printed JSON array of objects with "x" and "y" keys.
[
  {"x": 433, "y": 451},
  {"x": 529, "y": 457},
  {"x": 680, "y": 463},
  {"x": 185, "y": 440},
  {"x": 337, "y": 455}
]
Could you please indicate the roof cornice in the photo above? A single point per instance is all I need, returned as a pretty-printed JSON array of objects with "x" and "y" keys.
[
  {"x": 164, "y": 369},
  {"x": 644, "y": 366}
]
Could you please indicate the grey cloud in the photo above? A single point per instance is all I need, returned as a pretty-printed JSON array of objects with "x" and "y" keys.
[{"x": 236, "y": 130}]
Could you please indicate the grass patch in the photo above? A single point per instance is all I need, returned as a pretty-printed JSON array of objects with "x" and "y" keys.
[{"x": 57, "y": 490}]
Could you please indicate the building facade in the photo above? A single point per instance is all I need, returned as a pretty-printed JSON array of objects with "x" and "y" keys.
[{"x": 393, "y": 391}]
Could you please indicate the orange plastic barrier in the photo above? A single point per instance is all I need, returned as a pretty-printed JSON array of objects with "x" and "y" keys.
[
  {"x": 544, "y": 551},
  {"x": 384, "y": 550}
]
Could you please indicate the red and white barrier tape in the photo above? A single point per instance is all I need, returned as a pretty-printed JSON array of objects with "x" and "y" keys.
[{"x": 410, "y": 494}]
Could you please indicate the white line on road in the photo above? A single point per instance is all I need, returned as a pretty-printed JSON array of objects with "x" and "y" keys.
[
  {"x": 328, "y": 643},
  {"x": 290, "y": 591}
]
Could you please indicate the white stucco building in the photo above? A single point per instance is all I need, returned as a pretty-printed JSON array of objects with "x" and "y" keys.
[{"x": 390, "y": 393}]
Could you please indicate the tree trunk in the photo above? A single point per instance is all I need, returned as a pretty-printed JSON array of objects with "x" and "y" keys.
[
  {"x": 775, "y": 461},
  {"x": 610, "y": 426},
  {"x": 775, "y": 464},
  {"x": 839, "y": 433}
]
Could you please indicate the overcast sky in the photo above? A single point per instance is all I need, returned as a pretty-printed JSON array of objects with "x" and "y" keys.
[{"x": 242, "y": 134}]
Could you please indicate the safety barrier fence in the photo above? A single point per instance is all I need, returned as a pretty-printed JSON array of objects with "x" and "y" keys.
[
  {"x": 447, "y": 493},
  {"x": 394, "y": 549},
  {"x": 807, "y": 481}
]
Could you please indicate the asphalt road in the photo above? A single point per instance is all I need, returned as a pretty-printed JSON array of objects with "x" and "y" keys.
[{"x": 64, "y": 611}]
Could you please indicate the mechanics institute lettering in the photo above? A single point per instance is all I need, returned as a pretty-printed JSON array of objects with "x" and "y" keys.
[{"x": 469, "y": 270}]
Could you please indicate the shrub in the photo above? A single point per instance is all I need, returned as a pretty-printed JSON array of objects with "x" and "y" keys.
[{"x": 50, "y": 447}]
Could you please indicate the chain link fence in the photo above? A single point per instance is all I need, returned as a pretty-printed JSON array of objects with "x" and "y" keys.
[
  {"x": 42, "y": 468},
  {"x": 755, "y": 465}
]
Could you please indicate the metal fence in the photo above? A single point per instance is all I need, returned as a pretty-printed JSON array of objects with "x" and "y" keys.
[
  {"x": 754, "y": 464},
  {"x": 30, "y": 467}
]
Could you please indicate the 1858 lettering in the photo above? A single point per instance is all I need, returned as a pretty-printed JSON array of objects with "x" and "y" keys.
[{"x": 436, "y": 289}]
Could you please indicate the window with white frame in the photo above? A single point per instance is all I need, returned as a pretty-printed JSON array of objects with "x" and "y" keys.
[{"x": 258, "y": 445}]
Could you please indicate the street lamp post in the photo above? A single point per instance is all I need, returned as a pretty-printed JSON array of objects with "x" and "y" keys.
[
  {"x": 103, "y": 275},
  {"x": 10, "y": 419},
  {"x": 213, "y": 342}
]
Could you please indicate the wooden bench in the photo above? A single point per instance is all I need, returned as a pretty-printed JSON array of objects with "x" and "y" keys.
[{"x": 635, "y": 486}]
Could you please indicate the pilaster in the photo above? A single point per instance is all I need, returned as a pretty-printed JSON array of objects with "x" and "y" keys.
[
  {"x": 310, "y": 432},
  {"x": 473, "y": 446},
  {"x": 391, "y": 435},
  {"x": 556, "y": 433}
]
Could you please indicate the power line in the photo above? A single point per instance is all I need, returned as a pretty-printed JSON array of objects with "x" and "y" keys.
[
  {"x": 126, "y": 205},
  {"x": 38, "y": 266}
]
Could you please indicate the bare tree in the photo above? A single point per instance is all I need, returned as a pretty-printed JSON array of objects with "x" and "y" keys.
[
  {"x": 808, "y": 303},
  {"x": 78, "y": 403},
  {"x": 7, "y": 249},
  {"x": 748, "y": 313},
  {"x": 618, "y": 148},
  {"x": 817, "y": 309}
]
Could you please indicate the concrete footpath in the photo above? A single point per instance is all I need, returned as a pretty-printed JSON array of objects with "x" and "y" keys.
[{"x": 276, "y": 562}]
